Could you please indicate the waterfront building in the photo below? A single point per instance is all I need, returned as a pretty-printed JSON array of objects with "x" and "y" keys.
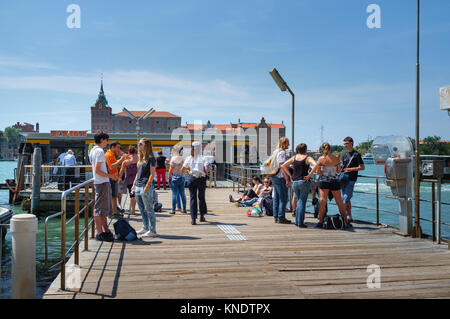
[
  {"x": 102, "y": 119},
  {"x": 26, "y": 127}
]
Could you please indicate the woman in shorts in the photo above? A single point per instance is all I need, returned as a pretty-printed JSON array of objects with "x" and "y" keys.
[{"x": 330, "y": 166}]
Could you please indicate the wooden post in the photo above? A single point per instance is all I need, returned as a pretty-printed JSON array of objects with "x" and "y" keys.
[
  {"x": 86, "y": 217},
  {"x": 93, "y": 205},
  {"x": 36, "y": 180},
  {"x": 77, "y": 226}
]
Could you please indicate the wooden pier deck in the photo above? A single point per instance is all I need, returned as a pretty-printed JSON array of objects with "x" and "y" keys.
[{"x": 276, "y": 261}]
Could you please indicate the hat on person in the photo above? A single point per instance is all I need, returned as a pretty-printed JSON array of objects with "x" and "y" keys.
[{"x": 70, "y": 151}]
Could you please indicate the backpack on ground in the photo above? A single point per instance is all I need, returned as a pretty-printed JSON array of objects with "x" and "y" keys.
[
  {"x": 334, "y": 222},
  {"x": 270, "y": 166},
  {"x": 124, "y": 231}
]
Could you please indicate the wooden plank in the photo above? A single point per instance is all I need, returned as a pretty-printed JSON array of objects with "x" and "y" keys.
[{"x": 277, "y": 261}]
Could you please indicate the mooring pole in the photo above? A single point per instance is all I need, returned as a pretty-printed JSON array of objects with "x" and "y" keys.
[{"x": 36, "y": 180}]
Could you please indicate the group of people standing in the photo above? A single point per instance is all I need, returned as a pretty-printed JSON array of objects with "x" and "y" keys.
[
  {"x": 137, "y": 174},
  {"x": 297, "y": 172}
]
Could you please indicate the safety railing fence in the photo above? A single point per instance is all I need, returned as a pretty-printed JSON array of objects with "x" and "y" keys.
[
  {"x": 436, "y": 220},
  {"x": 241, "y": 175},
  {"x": 52, "y": 175},
  {"x": 88, "y": 187},
  {"x": 2, "y": 232},
  {"x": 212, "y": 176}
]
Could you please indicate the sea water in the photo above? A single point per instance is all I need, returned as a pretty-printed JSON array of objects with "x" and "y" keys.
[
  {"x": 368, "y": 185},
  {"x": 43, "y": 277}
]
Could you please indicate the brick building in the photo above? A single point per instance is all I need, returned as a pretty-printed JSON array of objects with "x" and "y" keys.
[
  {"x": 103, "y": 119},
  {"x": 27, "y": 127}
]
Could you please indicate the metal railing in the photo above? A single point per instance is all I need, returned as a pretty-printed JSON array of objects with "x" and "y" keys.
[
  {"x": 1, "y": 244},
  {"x": 76, "y": 217},
  {"x": 436, "y": 223},
  {"x": 212, "y": 176},
  {"x": 241, "y": 175},
  {"x": 54, "y": 174}
]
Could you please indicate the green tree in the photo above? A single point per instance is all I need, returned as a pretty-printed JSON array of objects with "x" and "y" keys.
[{"x": 12, "y": 134}]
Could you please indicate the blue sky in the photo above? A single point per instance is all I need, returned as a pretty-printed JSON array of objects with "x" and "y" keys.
[{"x": 209, "y": 60}]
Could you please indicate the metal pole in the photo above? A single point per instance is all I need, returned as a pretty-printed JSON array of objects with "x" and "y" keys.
[
  {"x": 417, "y": 232},
  {"x": 439, "y": 214},
  {"x": 63, "y": 245},
  {"x": 77, "y": 227},
  {"x": 433, "y": 210},
  {"x": 86, "y": 218},
  {"x": 378, "y": 205},
  {"x": 293, "y": 116}
]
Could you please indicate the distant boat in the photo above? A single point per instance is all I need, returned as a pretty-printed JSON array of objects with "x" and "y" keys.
[{"x": 368, "y": 158}]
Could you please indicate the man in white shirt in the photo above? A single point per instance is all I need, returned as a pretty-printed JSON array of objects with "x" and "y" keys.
[
  {"x": 103, "y": 199},
  {"x": 196, "y": 181}
]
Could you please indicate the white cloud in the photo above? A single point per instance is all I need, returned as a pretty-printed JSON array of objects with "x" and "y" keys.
[{"x": 19, "y": 63}]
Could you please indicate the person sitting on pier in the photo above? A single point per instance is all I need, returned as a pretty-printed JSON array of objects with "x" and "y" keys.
[
  {"x": 264, "y": 193},
  {"x": 330, "y": 166},
  {"x": 103, "y": 201},
  {"x": 250, "y": 193}
]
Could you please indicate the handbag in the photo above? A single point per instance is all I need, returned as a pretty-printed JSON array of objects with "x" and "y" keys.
[{"x": 343, "y": 178}]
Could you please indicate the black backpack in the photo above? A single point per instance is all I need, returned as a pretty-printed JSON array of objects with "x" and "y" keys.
[
  {"x": 124, "y": 231},
  {"x": 334, "y": 222}
]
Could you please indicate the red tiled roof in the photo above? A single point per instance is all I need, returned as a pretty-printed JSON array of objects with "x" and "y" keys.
[
  {"x": 224, "y": 127},
  {"x": 155, "y": 114}
]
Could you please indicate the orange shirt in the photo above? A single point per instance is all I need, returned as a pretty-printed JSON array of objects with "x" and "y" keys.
[{"x": 111, "y": 159}]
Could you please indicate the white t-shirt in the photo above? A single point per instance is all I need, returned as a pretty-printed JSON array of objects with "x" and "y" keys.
[
  {"x": 97, "y": 155},
  {"x": 281, "y": 158},
  {"x": 196, "y": 165}
]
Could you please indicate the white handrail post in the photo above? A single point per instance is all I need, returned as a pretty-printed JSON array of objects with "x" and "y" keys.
[{"x": 23, "y": 277}]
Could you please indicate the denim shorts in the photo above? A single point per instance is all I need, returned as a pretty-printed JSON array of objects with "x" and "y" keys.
[{"x": 347, "y": 191}]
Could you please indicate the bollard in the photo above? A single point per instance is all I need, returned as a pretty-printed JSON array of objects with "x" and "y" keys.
[{"x": 23, "y": 273}]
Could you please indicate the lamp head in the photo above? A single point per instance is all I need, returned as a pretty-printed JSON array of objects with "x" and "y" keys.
[
  {"x": 131, "y": 116},
  {"x": 146, "y": 115},
  {"x": 278, "y": 79}
]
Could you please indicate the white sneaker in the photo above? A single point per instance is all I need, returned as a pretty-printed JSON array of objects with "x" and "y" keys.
[
  {"x": 141, "y": 231},
  {"x": 150, "y": 234}
]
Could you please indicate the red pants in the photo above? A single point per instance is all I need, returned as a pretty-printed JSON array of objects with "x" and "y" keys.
[{"x": 161, "y": 173}]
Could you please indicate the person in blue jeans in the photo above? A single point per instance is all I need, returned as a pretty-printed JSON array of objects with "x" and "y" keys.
[
  {"x": 143, "y": 188},
  {"x": 351, "y": 164},
  {"x": 177, "y": 180},
  {"x": 280, "y": 183},
  {"x": 301, "y": 163}
]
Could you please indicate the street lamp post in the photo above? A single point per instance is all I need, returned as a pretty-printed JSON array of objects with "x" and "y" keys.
[
  {"x": 138, "y": 120},
  {"x": 417, "y": 231},
  {"x": 283, "y": 87}
]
